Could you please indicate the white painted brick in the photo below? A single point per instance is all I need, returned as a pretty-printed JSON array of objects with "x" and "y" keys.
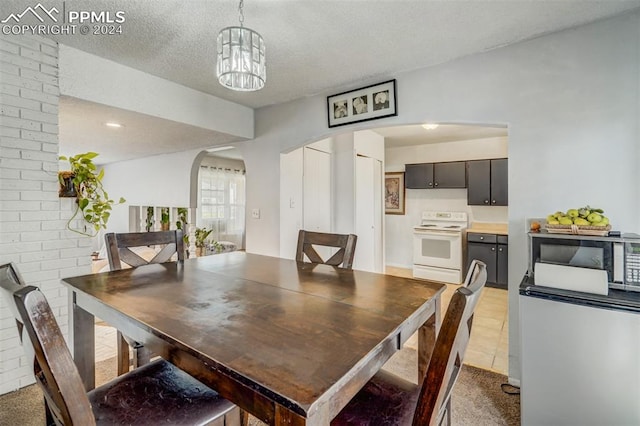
[
  {"x": 21, "y": 205},
  {"x": 39, "y": 175},
  {"x": 13, "y": 351},
  {"x": 8, "y": 47},
  {"x": 47, "y": 41},
  {"x": 18, "y": 372},
  {"x": 28, "y": 379},
  {"x": 50, "y": 205},
  {"x": 40, "y": 195},
  {"x": 39, "y": 255},
  {"x": 9, "y": 132},
  {"x": 29, "y": 267},
  {"x": 9, "y": 195},
  {"x": 49, "y": 147},
  {"x": 8, "y": 68},
  {"x": 7, "y": 334},
  {"x": 34, "y": 277},
  {"x": 51, "y": 109},
  {"x": 49, "y": 70},
  {"x": 40, "y": 236},
  {"x": 50, "y": 89},
  {"x": 74, "y": 272},
  {"x": 6, "y": 217},
  {"x": 53, "y": 225},
  {"x": 9, "y": 174},
  {"x": 19, "y": 102},
  {"x": 39, "y": 96},
  {"x": 86, "y": 242},
  {"x": 19, "y": 81},
  {"x": 50, "y": 128},
  {"x": 38, "y": 136},
  {"x": 9, "y": 153},
  {"x": 49, "y": 166},
  {"x": 51, "y": 186},
  {"x": 9, "y": 111},
  {"x": 38, "y": 216},
  {"x": 56, "y": 245},
  {"x": 21, "y": 164},
  {"x": 74, "y": 252},
  {"x": 20, "y": 123},
  {"x": 39, "y": 116},
  {"x": 11, "y": 364},
  {"x": 20, "y": 247},
  {"x": 38, "y": 56},
  {"x": 19, "y": 184},
  {"x": 84, "y": 261},
  {"x": 26, "y": 41},
  {"x": 20, "y": 61},
  {"x": 9, "y": 89},
  {"x": 9, "y": 237},
  {"x": 20, "y": 226},
  {"x": 49, "y": 50},
  {"x": 9, "y": 142},
  {"x": 41, "y": 156}
]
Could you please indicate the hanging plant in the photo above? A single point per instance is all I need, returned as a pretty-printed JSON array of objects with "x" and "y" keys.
[
  {"x": 164, "y": 218},
  {"x": 93, "y": 202}
]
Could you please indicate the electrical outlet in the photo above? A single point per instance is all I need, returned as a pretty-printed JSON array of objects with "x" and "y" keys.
[
  {"x": 292, "y": 203},
  {"x": 255, "y": 213}
]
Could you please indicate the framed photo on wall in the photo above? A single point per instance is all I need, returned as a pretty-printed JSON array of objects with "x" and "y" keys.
[
  {"x": 394, "y": 193},
  {"x": 367, "y": 103}
]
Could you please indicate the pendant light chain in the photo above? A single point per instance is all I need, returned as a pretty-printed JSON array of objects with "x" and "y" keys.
[{"x": 241, "y": 17}]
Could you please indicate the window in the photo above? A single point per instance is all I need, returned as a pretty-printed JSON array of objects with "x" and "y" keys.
[{"x": 221, "y": 203}]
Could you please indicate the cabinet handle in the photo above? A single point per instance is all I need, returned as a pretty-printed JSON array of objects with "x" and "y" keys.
[
  {"x": 486, "y": 201},
  {"x": 436, "y": 184},
  {"x": 493, "y": 201},
  {"x": 430, "y": 183},
  {"x": 500, "y": 249},
  {"x": 493, "y": 249},
  {"x": 482, "y": 238}
]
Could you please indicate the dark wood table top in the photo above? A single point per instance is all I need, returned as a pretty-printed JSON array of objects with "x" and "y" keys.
[{"x": 289, "y": 330}]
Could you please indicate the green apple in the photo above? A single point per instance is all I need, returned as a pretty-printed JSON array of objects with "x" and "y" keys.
[
  {"x": 584, "y": 212},
  {"x": 598, "y": 224},
  {"x": 594, "y": 217},
  {"x": 605, "y": 220},
  {"x": 558, "y": 214},
  {"x": 553, "y": 222},
  {"x": 551, "y": 218},
  {"x": 573, "y": 213},
  {"x": 565, "y": 221},
  {"x": 580, "y": 221}
]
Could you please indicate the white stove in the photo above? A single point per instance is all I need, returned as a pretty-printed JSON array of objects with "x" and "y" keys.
[{"x": 438, "y": 246}]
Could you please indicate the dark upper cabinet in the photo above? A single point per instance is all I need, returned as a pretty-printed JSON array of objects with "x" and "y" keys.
[
  {"x": 435, "y": 175},
  {"x": 418, "y": 176},
  {"x": 487, "y": 182}
]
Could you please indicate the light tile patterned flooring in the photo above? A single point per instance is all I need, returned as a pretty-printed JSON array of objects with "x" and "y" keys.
[
  {"x": 489, "y": 344},
  {"x": 488, "y": 347}
]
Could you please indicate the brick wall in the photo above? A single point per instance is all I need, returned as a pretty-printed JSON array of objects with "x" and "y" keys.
[{"x": 33, "y": 219}]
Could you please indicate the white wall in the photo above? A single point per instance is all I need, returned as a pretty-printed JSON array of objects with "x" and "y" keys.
[
  {"x": 398, "y": 228},
  {"x": 570, "y": 99},
  {"x": 33, "y": 219},
  {"x": 127, "y": 88}
]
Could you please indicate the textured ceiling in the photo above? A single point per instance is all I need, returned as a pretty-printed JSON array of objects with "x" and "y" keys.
[
  {"x": 313, "y": 47},
  {"x": 317, "y": 46},
  {"x": 417, "y": 135}
]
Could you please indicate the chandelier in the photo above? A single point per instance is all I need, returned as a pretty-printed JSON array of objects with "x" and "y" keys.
[{"x": 241, "y": 57}]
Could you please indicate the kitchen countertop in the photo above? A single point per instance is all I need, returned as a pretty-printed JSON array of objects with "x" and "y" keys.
[{"x": 489, "y": 228}]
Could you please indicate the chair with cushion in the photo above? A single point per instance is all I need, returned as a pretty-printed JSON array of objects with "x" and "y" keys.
[
  {"x": 342, "y": 258},
  {"x": 127, "y": 249},
  {"x": 157, "y": 393},
  {"x": 389, "y": 400}
]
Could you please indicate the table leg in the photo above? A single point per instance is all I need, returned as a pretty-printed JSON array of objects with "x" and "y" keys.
[
  {"x": 84, "y": 347},
  {"x": 427, "y": 335}
]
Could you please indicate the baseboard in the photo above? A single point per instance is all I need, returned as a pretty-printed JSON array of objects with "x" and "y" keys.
[
  {"x": 514, "y": 382},
  {"x": 395, "y": 265}
]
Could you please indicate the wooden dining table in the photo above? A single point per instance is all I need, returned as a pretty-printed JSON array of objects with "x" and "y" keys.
[{"x": 289, "y": 342}]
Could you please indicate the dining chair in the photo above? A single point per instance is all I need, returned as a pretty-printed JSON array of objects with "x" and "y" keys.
[
  {"x": 390, "y": 400},
  {"x": 157, "y": 393},
  {"x": 119, "y": 252},
  {"x": 342, "y": 258}
]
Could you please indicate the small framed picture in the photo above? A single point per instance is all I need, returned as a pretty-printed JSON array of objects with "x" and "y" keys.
[
  {"x": 367, "y": 103},
  {"x": 394, "y": 193}
]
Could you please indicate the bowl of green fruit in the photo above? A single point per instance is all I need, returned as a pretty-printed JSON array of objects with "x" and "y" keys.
[{"x": 583, "y": 221}]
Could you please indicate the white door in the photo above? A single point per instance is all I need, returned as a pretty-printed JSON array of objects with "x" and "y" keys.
[
  {"x": 317, "y": 190},
  {"x": 368, "y": 214}
]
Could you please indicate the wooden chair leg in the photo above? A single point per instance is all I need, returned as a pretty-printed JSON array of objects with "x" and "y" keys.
[
  {"x": 123, "y": 355},
  {"x": 141, "y": 355}
]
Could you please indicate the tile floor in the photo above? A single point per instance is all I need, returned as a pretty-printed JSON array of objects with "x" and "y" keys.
[
  {"x": 488, "y": 347},
  {"x": 489, "y": 344}
]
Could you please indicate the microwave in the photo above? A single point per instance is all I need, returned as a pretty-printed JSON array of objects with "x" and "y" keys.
[{"x": 618, "y": 256}]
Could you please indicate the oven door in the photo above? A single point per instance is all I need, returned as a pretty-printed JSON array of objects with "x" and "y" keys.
[{"x": 441, "y": 249}]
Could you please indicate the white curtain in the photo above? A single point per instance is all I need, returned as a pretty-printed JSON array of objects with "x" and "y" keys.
[{"x": 221, "y": 203}]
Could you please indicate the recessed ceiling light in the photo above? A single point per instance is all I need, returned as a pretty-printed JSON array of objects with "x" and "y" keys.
[
  {"x": 430, "y": 126},
  {"x": 113, "y": 124},
  {"x": 220, "y": 148}
]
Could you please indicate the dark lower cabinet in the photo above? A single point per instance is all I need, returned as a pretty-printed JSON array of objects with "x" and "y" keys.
[{"x": 491, "y": 249}]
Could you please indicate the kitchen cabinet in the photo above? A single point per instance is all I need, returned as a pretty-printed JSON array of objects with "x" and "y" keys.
[
  {"x": 491, "y": 249},
  {"x": 487, "y": 182},
  {"x": 435, "y": 175}
]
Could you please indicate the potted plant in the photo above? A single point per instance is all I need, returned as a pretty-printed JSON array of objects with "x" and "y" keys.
[
  {"x": 201, "y": 237},
  {"x": 164, "y": 218},
  {"x": 67, "y": 189},
  {"x": 149, "y": 221},
  {"x": 93, "y": 202},
  {"x": 182, "y": 224}
]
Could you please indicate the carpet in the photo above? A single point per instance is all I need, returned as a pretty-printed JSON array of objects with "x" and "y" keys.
[{"x": 477, "y": 397}]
